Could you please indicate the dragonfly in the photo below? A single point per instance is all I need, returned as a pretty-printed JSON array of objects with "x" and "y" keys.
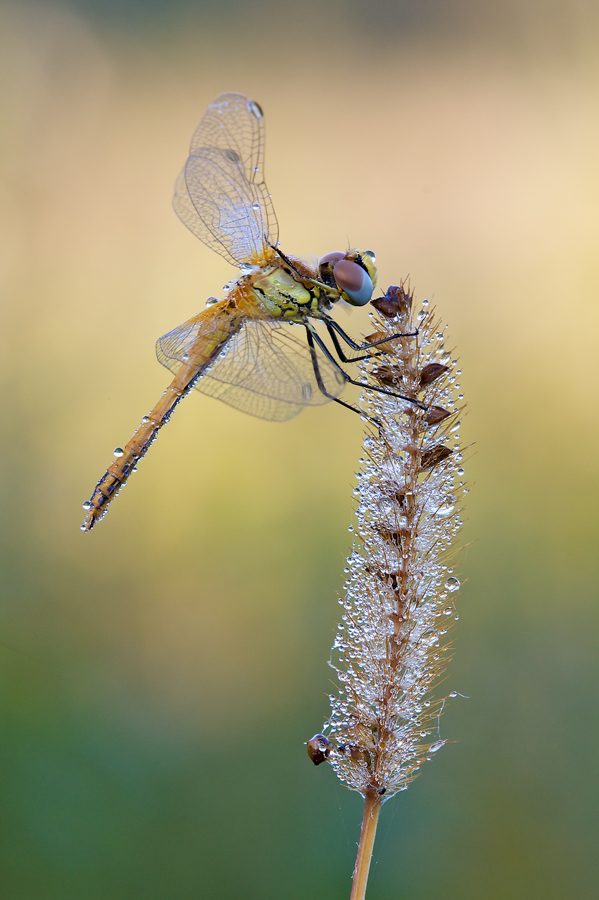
[{"x": 243, "y": 349}]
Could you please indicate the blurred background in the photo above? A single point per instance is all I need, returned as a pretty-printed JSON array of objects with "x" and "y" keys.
[{"x": 160, "y": 675}]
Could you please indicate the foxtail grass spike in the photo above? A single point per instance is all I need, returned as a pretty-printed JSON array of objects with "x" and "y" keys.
[{"x": 392, "y": 645}]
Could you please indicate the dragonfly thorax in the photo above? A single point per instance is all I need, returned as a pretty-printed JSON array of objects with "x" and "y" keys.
[{"x": 285, "y": 293}]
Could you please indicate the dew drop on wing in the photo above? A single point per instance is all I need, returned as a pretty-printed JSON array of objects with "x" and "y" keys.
[
  {"x": 306, "y": 391},
  {"x": 87, "y": 505},
  {"x": 452, "y": 584},
  {"x": 255, "y": 109},
  {"x": 256, "y": 206},
  {"x": 118, "y": 451}
]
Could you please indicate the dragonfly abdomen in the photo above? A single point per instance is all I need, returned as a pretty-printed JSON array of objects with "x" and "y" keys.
[{"x": 117, "y": 475}]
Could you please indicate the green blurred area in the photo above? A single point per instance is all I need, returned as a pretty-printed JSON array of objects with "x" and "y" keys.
[{"x": 160, "y": 676}]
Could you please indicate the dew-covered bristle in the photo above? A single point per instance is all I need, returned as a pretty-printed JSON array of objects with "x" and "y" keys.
[{"x": 392, "y": 644}]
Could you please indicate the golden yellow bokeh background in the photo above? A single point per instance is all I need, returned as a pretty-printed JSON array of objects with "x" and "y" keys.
[{"x": 161, "y": 674}]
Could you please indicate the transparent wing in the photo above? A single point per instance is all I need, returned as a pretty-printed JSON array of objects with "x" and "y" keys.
[
  {"x": 196, "y": 342},
  {"x": 221, "y": 194},
  {"x": 262, "y": 370}
]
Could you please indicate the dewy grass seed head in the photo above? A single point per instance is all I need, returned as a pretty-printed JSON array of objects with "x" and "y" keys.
[{"x": 392, "y": 644}]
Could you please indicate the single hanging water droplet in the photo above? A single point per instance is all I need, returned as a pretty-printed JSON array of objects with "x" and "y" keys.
[
  {"x": 436, "y": 746},
  {"x": 460, "y": 471},
  {"x": 425, "y": 302},
  {"x": 87, "y": 505},
  {"x": 254, "y": 109},
  {"x": 82, "y": 528},
  {"x": 145, "y": 420},
  {"x": 452, "y": 584},
  {"x": 255, "y": 206},
  {"x": 118, "y": 451},
  {"x": 448, "y": 611},
  {"x": 454, "y": 694}
]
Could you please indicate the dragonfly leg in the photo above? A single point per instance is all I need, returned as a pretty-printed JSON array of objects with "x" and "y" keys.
[
  {"x": 310, "y": 336},
  {"x": 339, "y": 349},
  {"x": 369, "y": 387},
  {"x": 283, "y": 257},
  {"x": 332, "y": 326}
]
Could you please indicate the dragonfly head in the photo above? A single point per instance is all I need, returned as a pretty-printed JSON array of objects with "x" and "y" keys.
[{"x": 352, "y": 273}]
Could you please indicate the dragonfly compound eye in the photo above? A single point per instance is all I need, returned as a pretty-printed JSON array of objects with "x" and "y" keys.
[
  {"x": 332, "y": 258},
  {"x": 354, "y": 282},
  {"x": 325, "y": 267}
]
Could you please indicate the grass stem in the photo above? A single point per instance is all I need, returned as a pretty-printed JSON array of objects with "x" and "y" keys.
[{"x": 372, "y": 808}]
